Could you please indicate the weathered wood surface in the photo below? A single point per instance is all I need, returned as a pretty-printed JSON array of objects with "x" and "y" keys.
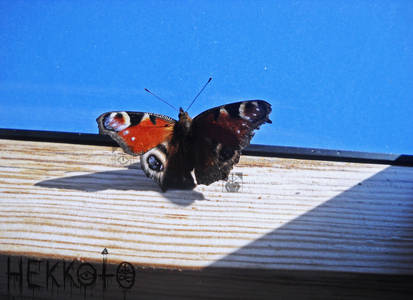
[{"x": 66, "y": 201}]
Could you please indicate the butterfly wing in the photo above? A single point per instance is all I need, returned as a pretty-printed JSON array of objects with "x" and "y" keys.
[
  {"x": 136, "y": 132},
  {"x": 168, "y": 165},
  {"x": 219, "y": 134},
  {"x": 152, "y": 137}
]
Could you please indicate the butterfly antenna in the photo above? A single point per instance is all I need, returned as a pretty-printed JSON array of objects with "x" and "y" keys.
[
  {"x": 159, "y": 98},
  {"x": 203, "y": 88}
]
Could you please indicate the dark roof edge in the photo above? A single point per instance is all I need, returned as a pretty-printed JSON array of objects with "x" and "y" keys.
[{"x": 258, "y": 150}]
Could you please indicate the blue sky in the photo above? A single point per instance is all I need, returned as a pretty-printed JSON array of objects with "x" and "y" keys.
[{"x": 339, "y": 74}]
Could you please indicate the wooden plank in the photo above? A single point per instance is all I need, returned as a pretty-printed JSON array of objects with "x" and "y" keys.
[{"x": 66, "y": 201}]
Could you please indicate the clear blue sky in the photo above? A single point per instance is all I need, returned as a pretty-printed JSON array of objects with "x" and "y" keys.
[{"x": 339, "y": 74}]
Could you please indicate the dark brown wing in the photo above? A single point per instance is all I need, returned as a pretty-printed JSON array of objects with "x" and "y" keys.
[
  {"x": 166, "y": 164},
  {"x": 219, "y": 134}
]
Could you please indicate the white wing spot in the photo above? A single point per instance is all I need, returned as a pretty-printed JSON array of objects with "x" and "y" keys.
[
  {"x": 126, "y": 132},
  {"x": 133, "y": 138},
  {"x": 242, "y": 112},
  {"x": 223, "y": 111},
  {"x": 241, "y": 109},
  {"x": 112, "y": 123}
]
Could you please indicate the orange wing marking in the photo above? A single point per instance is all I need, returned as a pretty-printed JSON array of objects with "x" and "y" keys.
[{"x": 146, "y": 135}]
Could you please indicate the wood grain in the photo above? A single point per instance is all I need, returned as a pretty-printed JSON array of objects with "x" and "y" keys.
[
  {"x": 67, "y": 201},
  {"x": 313, "y": 224}
]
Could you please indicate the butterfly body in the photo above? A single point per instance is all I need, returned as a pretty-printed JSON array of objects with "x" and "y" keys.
[{"x": 210, "y": 144}]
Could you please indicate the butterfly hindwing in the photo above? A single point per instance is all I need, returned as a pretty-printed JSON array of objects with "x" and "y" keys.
[
  {"x": 154, "y": 163},
  {"x": 136, "y": 132},
  {"x": 168, "y": 165},
  {"x": 219, "y": 134}
]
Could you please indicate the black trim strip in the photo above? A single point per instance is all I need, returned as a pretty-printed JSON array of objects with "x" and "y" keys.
[
  {"x": 57, "y": 137},
  {"x": 257, "y": 150},
  {"x": 330, "y": 155}
]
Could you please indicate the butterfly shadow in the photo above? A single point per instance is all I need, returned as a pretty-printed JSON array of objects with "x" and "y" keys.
[{"x": 130, "y": 179}]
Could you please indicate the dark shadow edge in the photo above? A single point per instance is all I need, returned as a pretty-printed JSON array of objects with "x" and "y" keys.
[{"x": 206, "y": 283}]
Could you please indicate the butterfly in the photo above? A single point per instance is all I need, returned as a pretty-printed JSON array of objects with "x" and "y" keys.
[{"x": 209, "y": 144}]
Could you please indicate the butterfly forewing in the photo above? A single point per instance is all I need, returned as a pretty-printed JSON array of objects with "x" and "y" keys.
[
  {"x": 219, "y": 134},
  {"x": 136, "y": 132}
]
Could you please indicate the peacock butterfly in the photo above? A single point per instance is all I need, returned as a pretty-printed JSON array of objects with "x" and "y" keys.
[{"x": 210, "y": 144}]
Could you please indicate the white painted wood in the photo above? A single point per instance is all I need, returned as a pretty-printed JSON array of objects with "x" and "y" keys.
[{"x": 71, "y": 201}]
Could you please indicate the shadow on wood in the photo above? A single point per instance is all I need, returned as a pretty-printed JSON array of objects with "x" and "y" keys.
[
  {"x": 357, "y": 245},
  {"x": 368, "y": 228},
  {"x": 58, "y": 279},
  {"x": 132, "y": 179}
]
